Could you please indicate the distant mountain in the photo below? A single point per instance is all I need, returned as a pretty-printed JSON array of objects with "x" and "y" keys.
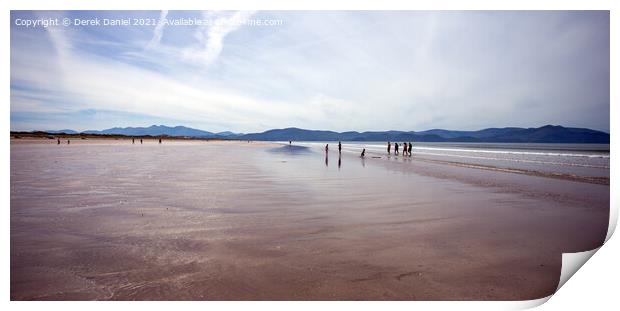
[
  {"x": 545, "y": 134},
  {"x": 314, "y": 135},
  {"x": 486, "y": 133},
  {"x": 154, "y": 130},
  {"x": 294, "y": 134},
  {"x": 67, "y": 131},
  {"x": 228, "y": 134},
  {"x": 552, "y": 134}
]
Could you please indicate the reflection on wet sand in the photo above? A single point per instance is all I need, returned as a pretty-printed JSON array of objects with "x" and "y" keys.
[{"x": 112, "y": 220}]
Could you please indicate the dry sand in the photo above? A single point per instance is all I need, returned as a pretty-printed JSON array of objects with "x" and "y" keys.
[{"x": 253, "y": 221}]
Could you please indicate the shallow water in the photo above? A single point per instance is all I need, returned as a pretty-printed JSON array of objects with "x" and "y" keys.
[{"x": 579, "y": 160}]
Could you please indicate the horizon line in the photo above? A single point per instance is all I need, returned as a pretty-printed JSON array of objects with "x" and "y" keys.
[{"x": 607, "y": 131}]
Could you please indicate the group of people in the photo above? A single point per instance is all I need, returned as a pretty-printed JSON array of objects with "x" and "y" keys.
[
  {"x": 133, "y": 141},
  {"x": 327, "y": 147},
  {"x": 406, "y": 148},
  {"x": 340, "y": 149}
]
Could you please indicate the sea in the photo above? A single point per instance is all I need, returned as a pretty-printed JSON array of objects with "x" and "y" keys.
[{"x": 589, "y": 160}]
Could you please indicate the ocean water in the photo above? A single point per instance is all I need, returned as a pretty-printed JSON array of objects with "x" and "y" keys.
[{"x": 580, "y": 160}]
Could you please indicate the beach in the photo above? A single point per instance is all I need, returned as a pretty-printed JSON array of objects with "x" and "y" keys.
[{"x": 234, "y": 220}]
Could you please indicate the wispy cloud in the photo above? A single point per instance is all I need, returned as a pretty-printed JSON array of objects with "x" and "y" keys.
[
  {"x": 211, "y": 37},
  {"x": 322, "y": 70},
  {"x": 158, "y": 31},
  {"x": 97, "y": 83}
]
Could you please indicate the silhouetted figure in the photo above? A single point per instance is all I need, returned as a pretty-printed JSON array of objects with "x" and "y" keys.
[
  {"x": 133, "y": 141},
  {"x": 405, "y": 149},
  {"x": 68, "y": 142},
  {"x": 389, "y": 147},
  {"x": 326, "y": 148},
  {"x": 363, "y": 152},
  {"x": 410, "y": 147},
  {"x": 140, "y": 141},
  {"x": 160, "y": 140},
  {"x": 396, "y": 148},
  {"x": 59, "y": 141},
  {"x": 339, "y": 147},
  {"x": 339, "y": 162},
  {"x": 289, "y": 142}
]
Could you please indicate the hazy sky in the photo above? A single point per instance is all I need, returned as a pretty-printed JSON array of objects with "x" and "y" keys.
[{"x": 318, "y": 70}]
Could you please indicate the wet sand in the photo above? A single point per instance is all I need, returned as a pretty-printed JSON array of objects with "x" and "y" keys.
[{"x": 192, "y": 220}]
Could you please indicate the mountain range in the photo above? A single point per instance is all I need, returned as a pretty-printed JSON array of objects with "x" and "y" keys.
[
  {"x": 159, "y": 130},
  {"x": 544, "y": 134}
]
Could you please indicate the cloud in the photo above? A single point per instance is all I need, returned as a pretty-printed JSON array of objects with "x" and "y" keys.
[
  {"x": 324, "y": 70},
  {"x": 158, "y": 31},
  {"x": 98, "y": 83},
  {"x": 211, "y": 37}
]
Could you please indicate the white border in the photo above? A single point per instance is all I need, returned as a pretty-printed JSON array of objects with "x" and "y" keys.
[{"x": 593, "y": 286}]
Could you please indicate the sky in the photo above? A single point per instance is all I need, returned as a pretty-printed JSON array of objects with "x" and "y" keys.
[{"x": 328, "y": 70}]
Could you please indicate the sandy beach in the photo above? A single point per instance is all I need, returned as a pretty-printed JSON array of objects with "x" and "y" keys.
[{"x": 198, "y": 220}]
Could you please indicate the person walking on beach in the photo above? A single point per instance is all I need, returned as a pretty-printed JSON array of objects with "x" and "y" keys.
[
  {"x": 68, "y": 142},
  {"x": 140, "y": 141},
  {"x": 59, "y": 141},
  {"x": 160, "y": 140},
  {"x": 326, "y": 148},
  {"x": 133, "y": 141},
  {"x": 405, "y": 149},
  {"x": 339, "y": 148},
  {"x": 409, "y": 149},
  {"x": 389, "y": 147},
  {"x": 363, "y": 153},
  {"x": 396, "y": 148}
]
